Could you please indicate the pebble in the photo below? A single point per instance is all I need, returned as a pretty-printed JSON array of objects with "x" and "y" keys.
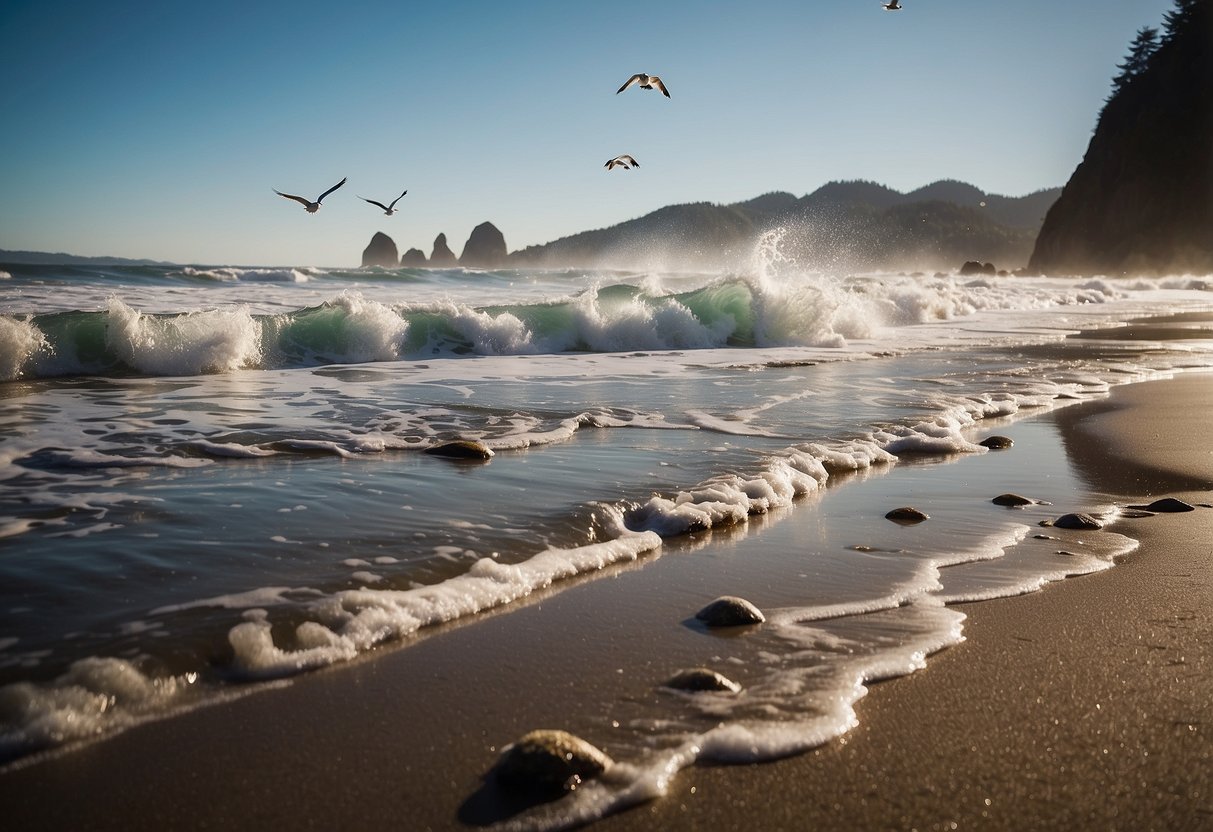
[
  {"x": 1013, "y": 500},
  {"x": 550, "y": 762},
  {"x": 1084, "y": 522},
  {"x": 730, "y": 611},
  {"x": 997, "y": 443},
  {"x": 1166, "y": 505},
  {"x": 702, "y": 679},
  {"x": 462, "y": 449},
  {"x": 906, "y": 515}
]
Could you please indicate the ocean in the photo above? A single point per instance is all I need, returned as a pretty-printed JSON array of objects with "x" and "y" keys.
[{"x": 215, "y": 479}]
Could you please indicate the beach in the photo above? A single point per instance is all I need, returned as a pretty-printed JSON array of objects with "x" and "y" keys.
[{"x": 1081, "y": 705}]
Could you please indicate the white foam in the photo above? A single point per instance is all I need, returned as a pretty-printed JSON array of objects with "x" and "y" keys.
[
  {"x": 19, "y": 340},
  {"x": 189, "y": 344}
]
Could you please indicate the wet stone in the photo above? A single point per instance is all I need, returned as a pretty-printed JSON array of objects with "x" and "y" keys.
[
  {"x": 730, "y": 611},
  {"x": 1082, "y": 522},
  {"x": 906, "y": 515},
  {"x": 997, "y": 443},
  {"x": 1013, "y": 500},
  {"x": 462, "y": 449},
  {"x": 550, "y": 762},
  {"x": 702, "y": 679},
  {"x": 1166, "y": 505}
]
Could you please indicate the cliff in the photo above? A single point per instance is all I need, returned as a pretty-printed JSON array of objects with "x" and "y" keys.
[
  {"x": 380, "y": 252},
  {"x": 485, "y": 248},
  {"x": 1141, "y": 200},
  {"x": 413, "y": 257}
]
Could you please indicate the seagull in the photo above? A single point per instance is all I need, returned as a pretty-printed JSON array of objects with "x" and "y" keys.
[
  {"x": 892, "y": 6},
  {"x": 625, "y": 161},
  {"x": 387, "y": 209},
  {"x": 311, "y": 207},
  {"x": 647, "y": 82}
]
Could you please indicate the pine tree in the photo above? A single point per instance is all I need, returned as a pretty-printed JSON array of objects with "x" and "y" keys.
[{"x": 1141, "y": 50}]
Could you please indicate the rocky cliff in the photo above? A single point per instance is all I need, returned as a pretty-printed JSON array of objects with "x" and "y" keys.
[
  {"x": 380, "y": 252},
  {"x": 485, "y": 248},
  {"x": 1141, "y": 201},
  {"x": 413, "y": 257}
]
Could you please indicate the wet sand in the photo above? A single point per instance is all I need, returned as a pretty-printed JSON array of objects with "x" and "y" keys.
[{"x": 1086, "y": 705}]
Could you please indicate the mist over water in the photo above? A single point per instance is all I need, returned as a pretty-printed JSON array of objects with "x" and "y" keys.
[{"x": 213, "y": 477}]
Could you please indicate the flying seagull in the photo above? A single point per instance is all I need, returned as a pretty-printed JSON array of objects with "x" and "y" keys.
[
  {"x": 311, "y": 207},
  {"x": 625, "y": 161},
  {"x": 387, "y": 209},
  {"x": 892, "y": 6},
  {"x": 647, "y": 82}
]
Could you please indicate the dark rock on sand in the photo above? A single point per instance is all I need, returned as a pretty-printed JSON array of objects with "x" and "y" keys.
[
  {"x": 997, "y": 443},
  {"x": 550, "y": 762},
  {"x": 730, "y": 611},
  {"x": 1013, "y": 500},
  {"x": 702, "y": 679},
  {"x": 413, "y": 257},
  {"x": 381, "y": 251},
  {"x": 1166, "y": 505},
  {"x": 1083, "y": 522},
  {"x": 1135, "y": 513},
  {"x": 462, "y": 449},
  {"x": 906, "y": 515}
]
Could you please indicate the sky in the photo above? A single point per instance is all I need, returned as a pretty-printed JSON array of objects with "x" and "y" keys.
[{"x": 159, "y": 129}]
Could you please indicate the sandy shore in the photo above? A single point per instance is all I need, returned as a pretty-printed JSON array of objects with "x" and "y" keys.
[{"x": 1087, "y": 705}]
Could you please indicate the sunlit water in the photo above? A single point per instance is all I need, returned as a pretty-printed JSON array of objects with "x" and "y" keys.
[{"x": 214, "y": 477}]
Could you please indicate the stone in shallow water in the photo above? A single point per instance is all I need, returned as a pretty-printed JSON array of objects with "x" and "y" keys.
[
  {"x": 1013, "y": 500},
  {"x": 701, "y": 679},
  {"x": 730, "y": 611},
  {"x": 550, "y": 762},
  {"x": 1166, "y": 505},
  {"x": 462, "y": 449},
  {"x": 997, "y": 443},
  {"x": 1083, "y": 522},
  {"x": 906, "y": 515}
]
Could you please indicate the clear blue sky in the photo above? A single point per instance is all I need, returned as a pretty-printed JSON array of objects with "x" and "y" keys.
[{"x": 157, "y": 129}]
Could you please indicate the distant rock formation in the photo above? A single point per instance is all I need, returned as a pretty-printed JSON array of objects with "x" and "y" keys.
[
  {"x": 841, "y": 225},
  {"x": 972, "y": 267},
  {"x": 1141, "y": 201},
  {"x": 413, "y": 257},
  {"x": 442, "y": 256},
  {"x": 380, "y": 252},
  {"x": 485, "y": 249}
]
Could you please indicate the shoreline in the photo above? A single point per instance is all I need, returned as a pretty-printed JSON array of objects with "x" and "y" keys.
[{"x": 344, "y": 745}]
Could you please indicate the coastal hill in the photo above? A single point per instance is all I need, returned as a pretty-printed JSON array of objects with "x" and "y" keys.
[
  {"x": 850, "y": 225},
  {"x": 1141, "y": 200}
]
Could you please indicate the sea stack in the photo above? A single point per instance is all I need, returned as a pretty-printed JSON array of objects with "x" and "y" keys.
[
  {"x": 442, "y": 256},
  {"x": 413, "y": 257},
  {"x": 485, "y": 249},
  {"x": 380, "y": 252}
]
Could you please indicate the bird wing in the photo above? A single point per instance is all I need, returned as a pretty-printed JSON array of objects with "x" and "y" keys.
[
  {"x": 373, "y": 202},
  {"x": 394, "y": 201},
  {"x": 304, "y": 202},
  {"x": 627, "y": 158},
  {"x": 656, "y": 82},
  {"x": 628, "y": 83},
  {"x": 330, "y": 190}
]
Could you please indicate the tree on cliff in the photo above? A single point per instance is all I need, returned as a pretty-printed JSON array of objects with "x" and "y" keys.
[{"x": 1141, "y": 200}]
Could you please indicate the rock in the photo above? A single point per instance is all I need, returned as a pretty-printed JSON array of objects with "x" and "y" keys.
[
  {"x": 485, "y": 249},
  {"x": 730, "y": 611},
  {"x": 1166, "y": 505},
  {"x": 997, "y": 443},
  {"x": 972, "y": 267},
  {"x": 380, "y": 252},
  {"x": 907, "y": 515},
  {"x": 1083, "y": 522},
  {"x": 413, "y": 257},
  {"x": 462, "y": 449},
  {"x": 1013, "y": 500},
  {"x": 550, "y": 762},
  {"x": 1135, "y": 513},
  {"x": 442, "y": 257},
  {"x": 702, "y": 679}
]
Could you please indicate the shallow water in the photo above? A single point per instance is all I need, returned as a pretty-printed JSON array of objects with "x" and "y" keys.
[{"x": 215, "y": 477}]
